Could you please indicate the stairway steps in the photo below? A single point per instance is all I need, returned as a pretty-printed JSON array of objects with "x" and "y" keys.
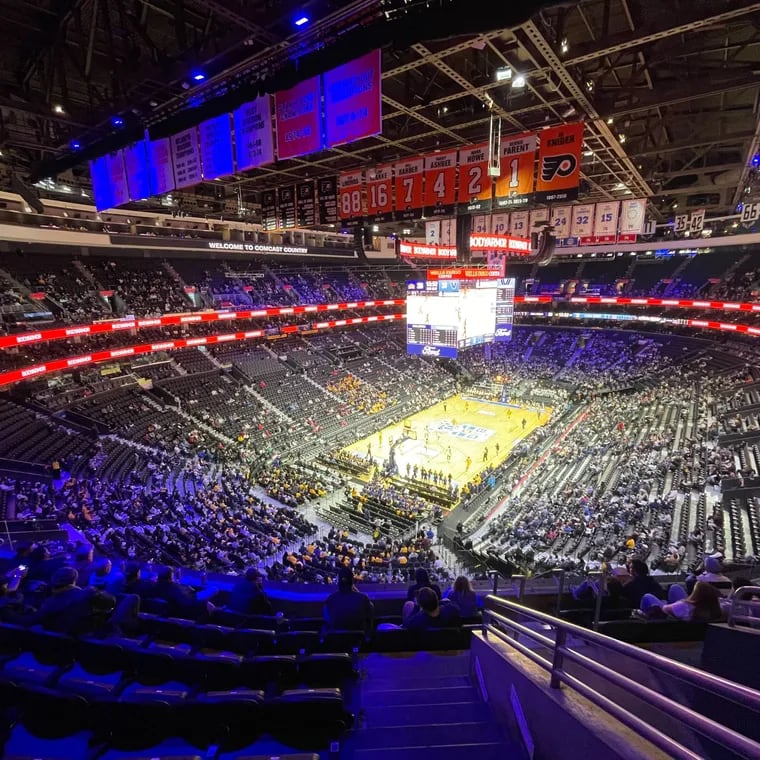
[
  {"x": 398, "y": 715},
  {"x": 414, "y": 682},
  {"x": 420, "y": 696},
  {"x": 418, "y": 664},
  {"x": 480, "y": 751},
  {"x": 427, "y": 735}
]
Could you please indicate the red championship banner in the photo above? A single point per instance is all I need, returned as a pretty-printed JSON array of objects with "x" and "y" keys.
[
  {"x": 440, "y": 183},
  {"x": 559, "y": 163},
  {"x": 561, "y": 217},
  {"x": 632, "y": 217},
  {"x": 353, "y": 100},
  {"x": 605, "y": 225},
  {"x": 408, "y": 186},
  {"x": 514, "y": 186},
  {"x": 520, "y": 223},
  {"x": 350, "y": 202},
  {"x": 500, "y": 224},
  {"x": 475, "y": 184},
  {"x": 298, "y": 113},
  {"x": 582, "y": 224},
  {"x": 380, "y": 194}
]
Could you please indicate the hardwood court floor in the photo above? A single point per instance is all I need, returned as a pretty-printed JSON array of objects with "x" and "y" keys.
[{"x": 467, "y": 427}]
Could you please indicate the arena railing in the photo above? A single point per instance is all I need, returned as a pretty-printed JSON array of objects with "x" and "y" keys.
[
  {"x": 555, "y": 650},
  {"x": 745, "y": 607}
]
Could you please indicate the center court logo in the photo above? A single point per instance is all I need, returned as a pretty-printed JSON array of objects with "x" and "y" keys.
[{"x": 431, "y": 351}]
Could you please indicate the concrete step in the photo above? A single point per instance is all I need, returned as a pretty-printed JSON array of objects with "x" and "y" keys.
[
  {"x": 413, "y": 715},
  {"x": 423, "y": 696},
  {"x": 371, "y": 684},
  {"x": 481, "y": 751},
  {"x": 417, "y": 664},
  {"x": 431, "y": 735}
]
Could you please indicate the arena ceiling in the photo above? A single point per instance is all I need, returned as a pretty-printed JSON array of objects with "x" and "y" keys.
[{"x": 670, "y": 91}]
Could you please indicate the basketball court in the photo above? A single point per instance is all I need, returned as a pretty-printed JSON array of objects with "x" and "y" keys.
[{"x": 445, "y": 436}]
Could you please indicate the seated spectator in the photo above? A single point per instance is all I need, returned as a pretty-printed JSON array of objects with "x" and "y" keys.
[
  {"x": 702, "y": 605},
  {"x": 180, "y": 598},
  {"x": 462, "y": 595},
  {"x": 422, "y": 580},
  {"x": 248, "y": 597},
  {"x": 21, "y": 557},
  {"x": 431, "y": 613},
  {"x": 629, "y": 588},
  {"x": 348, "y": 609},
  {"x": 73, "y": 610},
  {"x": 11, "y": 599},
  {"x": 101, "y": 571},
  {"x": 713, "y": 574},
  {"x": 134, "y": 584}
]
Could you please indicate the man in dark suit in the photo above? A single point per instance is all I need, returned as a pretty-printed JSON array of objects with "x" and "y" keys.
[{"x": 348, "y": 609}]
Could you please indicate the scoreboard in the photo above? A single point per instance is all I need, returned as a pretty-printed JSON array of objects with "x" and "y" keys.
[{"x": 447, "y": 314}]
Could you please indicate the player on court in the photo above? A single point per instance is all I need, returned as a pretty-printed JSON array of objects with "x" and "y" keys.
[
  {"x": 467, "y": 463},
  {"x": 485, "y": 454}
]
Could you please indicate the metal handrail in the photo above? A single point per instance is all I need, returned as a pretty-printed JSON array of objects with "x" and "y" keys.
[
  {"x": 558, "y": 651},
  {"x": 745, "y": 599}
]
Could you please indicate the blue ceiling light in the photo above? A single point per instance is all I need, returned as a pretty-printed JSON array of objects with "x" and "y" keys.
[
  {"x": 301, "y": 21},
  {"x": 117, "y": 121},
  {"x": 198, "y": 76},
  {"x": 75, "y": 145}
]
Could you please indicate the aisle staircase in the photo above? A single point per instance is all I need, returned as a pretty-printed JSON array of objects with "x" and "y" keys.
[{"x": 424, "y": 706}]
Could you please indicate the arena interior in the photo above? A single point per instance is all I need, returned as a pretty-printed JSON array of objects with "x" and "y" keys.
[{"x": 248, "y": 511}]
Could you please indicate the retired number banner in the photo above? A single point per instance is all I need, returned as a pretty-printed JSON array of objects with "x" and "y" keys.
[
  {"x": 514, "y": 187},
  {"x": 520, "y": 224},
  {"x": 559, "y": 163},
  {"x": 538, "y": 219},
  {"x": 500, "y": 224},
  {"x": 350, "y": 186},
  {"x": 408, "y": 186},
  {"x": 632, "y": 217},
  {"x": 475, "y": 184},
  {"x": 560, "y": 219},
  {"x": 380, "y": 194},
  {"x": 440, "y": 183},
  {"x": 605, "y": 225},
  {"x": 582, "y": 225}
]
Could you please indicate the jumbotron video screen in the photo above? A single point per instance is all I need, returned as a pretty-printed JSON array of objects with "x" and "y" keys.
[{"x": 456, "y": 309}]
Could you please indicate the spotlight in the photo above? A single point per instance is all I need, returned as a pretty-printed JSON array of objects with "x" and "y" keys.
[
  {"x": 198, "y": 76},
  {"x": 621, "y": 139},
  {"x": 117, "y": 121},
  {"x": 503, "y": 74},
  {"x": 58, "y": 109},
  {"x": 610, "y": 120},
  {"x": 518, "y": 82},
  {"x": 301, "y": 21},
  {"x": 75, "y": 145},
  {"x": 563, "y": 46}
]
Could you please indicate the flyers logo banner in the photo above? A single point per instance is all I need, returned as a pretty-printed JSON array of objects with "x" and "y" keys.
[
  {"x": 560, "y": 219},
  {"x": 299, "y": 115},
  {"x": 440, "y": 184},
  {"x": 380, "y": 194},
  {"x": 408, "y": 187},
  {"x": 632, "y": 217},
  {"x": 582, "y": 224},
  {"x": 515, "y": 185},
  {"x": 605, "y": 225},
  {"x": 475, "y": 185},
  {"x": 353, "y": 100},
  {"x": 350, "y": 185},
  {"x": 559, "y": 163}
]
